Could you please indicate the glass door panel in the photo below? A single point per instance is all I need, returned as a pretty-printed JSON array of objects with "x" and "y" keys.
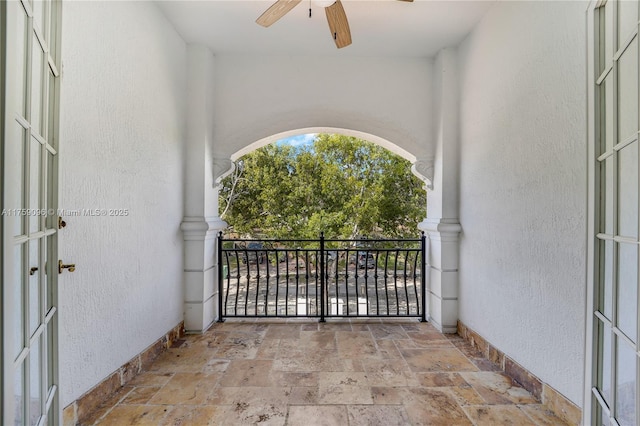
[
  {"x": 616, "y": 378},
  {"x": 36, "y": 86},
  {"x": 29, "y": 188},
  {"x": 628, "y": 191},
  {"x": 15, "y": 147},
  {"x": 607, "y": 280},
  {"x": 627, "y": 18},
  {"x": 18, "y": 397},
  {"x": 33, "y": 216},
  {"x": 35, "y": 383},
  {"x": 628, "y": 92},
  {"x": 626, "y": 376},
  {"x": 607, "y": 193},
  {"x": 20, "y": 84},
  {"x": 34, "y": 286},
  {"x": 16, "y": 320},
  {"x": 628, "y": 290}
]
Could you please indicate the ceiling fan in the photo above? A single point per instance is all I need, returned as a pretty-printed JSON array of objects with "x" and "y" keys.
[{"x": 336, "y": 17}]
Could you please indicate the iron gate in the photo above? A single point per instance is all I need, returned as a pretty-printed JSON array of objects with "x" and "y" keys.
[{"x": 321, "y": 278}]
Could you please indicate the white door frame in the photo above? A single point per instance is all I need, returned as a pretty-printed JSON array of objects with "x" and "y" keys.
[
  {"x": 29, "y": 129},
  {"x": 607, "y": 313}
]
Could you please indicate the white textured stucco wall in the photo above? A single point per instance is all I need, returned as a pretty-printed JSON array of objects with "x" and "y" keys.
[
  {"x": 122, "y": 126},
  {"x": 260, "y": 96},
  {"x": 523, "y": 186}
]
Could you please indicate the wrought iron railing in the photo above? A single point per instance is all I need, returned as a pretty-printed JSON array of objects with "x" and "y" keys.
[{"x": 321, "y": 278}]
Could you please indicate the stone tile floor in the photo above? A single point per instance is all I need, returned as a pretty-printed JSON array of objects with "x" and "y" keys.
[{"x": 310, "y": 373}]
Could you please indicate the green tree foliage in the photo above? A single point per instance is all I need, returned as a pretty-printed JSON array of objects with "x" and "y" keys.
[{"x": 343, "y": 186}]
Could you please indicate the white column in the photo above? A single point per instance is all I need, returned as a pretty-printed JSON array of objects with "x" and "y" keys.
[
  {"x": 442, "y": 224},
  {"x": 201, "y": 223}
]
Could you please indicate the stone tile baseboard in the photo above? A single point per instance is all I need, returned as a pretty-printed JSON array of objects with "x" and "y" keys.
[
  {"x": 554, "y": 400},
  {"x": 80, "y": 409}
]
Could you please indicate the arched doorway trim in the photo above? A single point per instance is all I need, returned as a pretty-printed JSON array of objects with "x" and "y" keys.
[{"x": 422, "y": 168}]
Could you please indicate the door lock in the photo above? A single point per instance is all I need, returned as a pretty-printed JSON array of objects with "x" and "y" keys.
[{"x": 71, "y": 267}]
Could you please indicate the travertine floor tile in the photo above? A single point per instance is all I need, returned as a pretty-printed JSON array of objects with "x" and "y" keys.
[
  {"x": 268, "y": 349},
  {"x": 151, "y": 379},
  {"x": 365, "y": 372},
  {"x": 309, "y": 361},
  {"x": 317, "y": 415},
  {"x": 245, "y": 414},
  {"x": 310, "y": 327},
  {"x": 540, "y": 415},
  {"x": 283, "y": 331},
  {"x": 201, "y": 415},
  {"x": 428, "y": 338},
  {"x": 434, "y": 380},
  {"x": 344, "y": 388},
  {"x": 388, "y": 331},
  {"x": 307, "y": 395},
  {"x": 142, "y": 415},
  {"x": 140, "y": 395},
  {"x": 356, "y": 344},
  {"x": 384, "y": 395},
  {"x": 182, "y": 360},
  {"x": 437, "y": 359},
  {"x": 248, "y": 373},
  {"x": 325, "y": 340},
  {"x": 377, "y": 415},
  {"x": 497, "y": 388},
  {"x": 216, "y": 366},
  {"x": 491, "y": 415},
  {"x": 332, "y": 325},
  {"x": 187, "y": 389},
  {"x": 262, "y": 396},
  {"x": 107, "y": 406},
  {"x": 465, "y": 395},
  {"x": 290, "y": 378},
  {"x": 434, "y": 406},
  {"x": 389, "y": 373},
  {"x": 388, "y": 349}
]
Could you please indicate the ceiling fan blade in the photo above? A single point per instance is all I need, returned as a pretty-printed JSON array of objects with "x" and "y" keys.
[
  {"x": 276, "y": 11},
  {"x": 338, "y": 24},
  {"x": 410, "y": 1}
]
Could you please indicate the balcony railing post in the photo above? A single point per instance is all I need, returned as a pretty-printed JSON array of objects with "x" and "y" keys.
[
  {"x": 220, "y": 278},
  {"x": 423, "y": 277},
  {"x": 322, "y": 277}
]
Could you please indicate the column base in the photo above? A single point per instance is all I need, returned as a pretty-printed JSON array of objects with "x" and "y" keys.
[
  {"x": 442, "y": 278},
  {"x": 200, "y": 272}
]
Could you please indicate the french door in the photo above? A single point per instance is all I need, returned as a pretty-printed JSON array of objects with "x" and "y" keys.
[
  {"x": 614, "y": 395},
  {"x": 29, "y": 124}
]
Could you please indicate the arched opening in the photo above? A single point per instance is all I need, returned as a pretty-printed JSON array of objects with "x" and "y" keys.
[
  {"x": 325, "y": 229},
  {"x": 396, "y": 149},
  {"x": 342, "y": 185}
]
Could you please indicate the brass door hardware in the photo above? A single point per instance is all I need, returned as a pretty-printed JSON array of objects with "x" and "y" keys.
[
  {"x": 61, "y": 223},
  {"x": 71, "y": 267},
  {"x": 33, "y": 270}
]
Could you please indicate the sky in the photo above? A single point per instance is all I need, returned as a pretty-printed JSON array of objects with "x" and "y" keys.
[{"x": 298, "y": 140}]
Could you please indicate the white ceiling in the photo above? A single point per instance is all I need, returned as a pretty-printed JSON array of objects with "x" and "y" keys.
[{"x": 378, "y": 27}]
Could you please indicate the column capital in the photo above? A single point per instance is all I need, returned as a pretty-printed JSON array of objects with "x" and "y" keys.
[
  {"x": 201, "y": 228},
  {"x": 423, "y": 168},
  {"x": 445, "y": 228},
  {"x": 222, "y": 167}
]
